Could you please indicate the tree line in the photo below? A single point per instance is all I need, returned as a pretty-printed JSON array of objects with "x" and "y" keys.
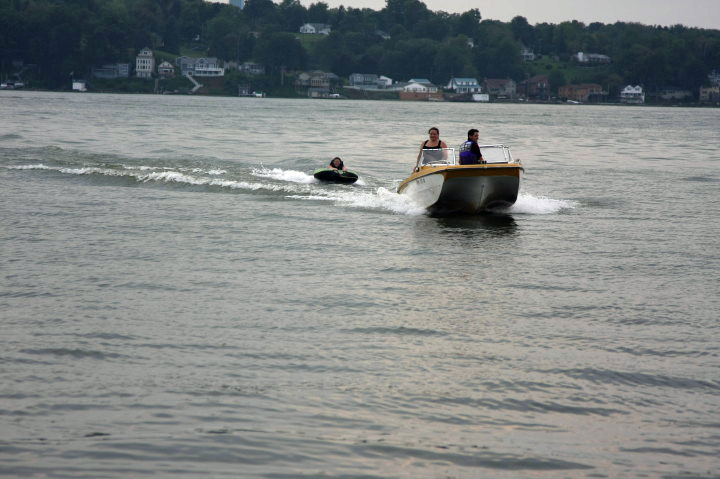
[{"x": 403, "y": 40}]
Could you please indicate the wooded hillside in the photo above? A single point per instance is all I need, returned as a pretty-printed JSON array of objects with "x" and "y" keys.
[{"x": 405, "y": 39}]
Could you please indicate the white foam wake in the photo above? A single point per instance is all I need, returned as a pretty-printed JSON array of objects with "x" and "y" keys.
[
  {"x": 39, "y": 166},
  {"x": 283, "y": 175},
  {"x": 166, "y": 175},
  {"x": 298, "y": 185},
  {"x": 381, "y": 199},
  {"x": 539, "y": 205}
]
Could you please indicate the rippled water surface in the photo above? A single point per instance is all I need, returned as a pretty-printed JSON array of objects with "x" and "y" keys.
[{"x": 180, "y": 298}]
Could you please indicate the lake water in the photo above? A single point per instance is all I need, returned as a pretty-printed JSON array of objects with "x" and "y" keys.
[{"x": 179, "y": 297}]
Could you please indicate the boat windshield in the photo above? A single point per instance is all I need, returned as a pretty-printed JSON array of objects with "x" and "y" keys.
[
  {"x": 438, "y": 156},
  {"x": 496, "y": 153},
  {"x": 446, "y": 156}
]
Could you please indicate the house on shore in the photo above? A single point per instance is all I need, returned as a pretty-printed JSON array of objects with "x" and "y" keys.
[
  {"x": 420, "y": 85},
  {"x": 535, "y": 88},
  {"x": 673, "y": 94},
  {"x": 420, "y": 89},
  {"x": 464, "y": 85},
  {"x": 200, "y": 66},
  {"x": 527, "y": 55},
  {"x": 316, "y": 29},
  {"x": 363, "y": 81},
  {"x": 166, "y": 70},
  {"x": 710, "y": 94},
  {"x": 501, "y": 88},
  {"x": 632, "y": 95},
  {"x": 208, "y": 67},
  {"x": 714, "y": 77},
  {"x": 110, "y": 71},
  {"x": 369, "y": 81},
  {"x": 145, "y": 63},
  {"x": 584, "y": 92},
  {"x": 317, "y": 84},
  {"x": 252, "y": 68},
  {"x": 591, "y": 58},
  {"x": 79, "y": 85}
]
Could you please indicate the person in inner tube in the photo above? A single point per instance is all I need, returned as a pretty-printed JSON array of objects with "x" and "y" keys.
[
  {"x": 337, "y": 164},
  {"x": 432, "y": 150},
  {"x": 470, "y": 153}
]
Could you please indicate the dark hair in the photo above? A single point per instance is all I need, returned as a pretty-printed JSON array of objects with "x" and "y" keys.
[
  {"x": 471, "y": 132},
  {"x": 433, "y": 128},
  {"x": 339, "y": 159}
]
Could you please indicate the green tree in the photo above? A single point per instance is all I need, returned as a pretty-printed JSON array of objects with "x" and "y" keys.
[
  {"x": 224, "y": 36},
  {"x": 64, "y": 36},
  {"x": 556, "y": 78},
  {"x": 453, "y": 58},
  {"x": 293, "y": 15},
  {"x": 280, "y": 49},
  {"x": 522, "y": 31},
  {"x": 318, "y": 13},
  {"x": 501, "y": 60},
  {"x": 407, "y": 13},
  {"x": 261, "y": 12},
  {"x": 467, "y": 23},
  {"x": 410, "y": 58}
]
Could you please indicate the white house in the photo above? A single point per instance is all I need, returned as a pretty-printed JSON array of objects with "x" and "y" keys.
[
  {"x": 384, "y": 82},
  {"x": 208, "y": 67},
  {"x": 464, "y": 85},
  {"x": 79, "y": 85},
  {"x": 420, "y": 85},
  {"x": 200, "y": 67},
  {"x": 632, "y": 94},
  {"x": 316, "y": 28},
  {"x": 144, "y": 63},
  {"x": 527, "y": 54},
  {"x": 591, "y": 58}
]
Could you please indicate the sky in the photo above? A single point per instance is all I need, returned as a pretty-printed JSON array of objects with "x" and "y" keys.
[{"x": 691, "y": 13}]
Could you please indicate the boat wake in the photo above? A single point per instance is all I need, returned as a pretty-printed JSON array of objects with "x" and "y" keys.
[
  {"x": 379, "y": 199},
  {"x": 292, "y": 176},
  {"x": 528, "y": 204},
  {"x": 292, "y": 184}
]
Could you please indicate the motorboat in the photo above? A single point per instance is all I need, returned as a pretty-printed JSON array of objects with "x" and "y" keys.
[{"x": 443, "y": 186}]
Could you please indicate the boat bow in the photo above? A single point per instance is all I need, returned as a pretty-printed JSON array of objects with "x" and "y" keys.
[{"x": 444, "y": 187}]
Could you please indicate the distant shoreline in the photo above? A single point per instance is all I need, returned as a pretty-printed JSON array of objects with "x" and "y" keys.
[{"x": 503, "y": 101}]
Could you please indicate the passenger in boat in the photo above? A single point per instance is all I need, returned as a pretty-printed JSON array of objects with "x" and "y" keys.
[
  {"x": 433, "y": 149},
  {"x": 470, "y": 153},
  {"x": 337, "y": 164}
]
